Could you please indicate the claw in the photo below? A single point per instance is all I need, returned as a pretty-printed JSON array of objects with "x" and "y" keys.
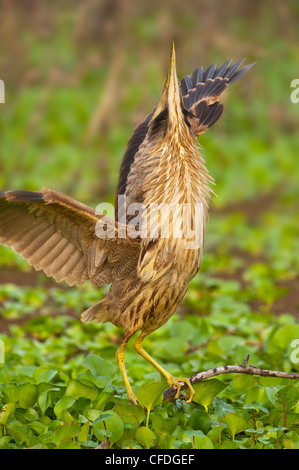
[
  {"x": 190, "y": 392},
  {"x": 132, "y": 398}
]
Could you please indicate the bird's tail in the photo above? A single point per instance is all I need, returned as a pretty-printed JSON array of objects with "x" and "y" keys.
[
  {"x": 201, "y": 91},
  {"x": 97, "y": 313}
]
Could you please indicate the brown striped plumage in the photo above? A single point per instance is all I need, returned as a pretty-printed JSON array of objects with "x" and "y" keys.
[{"x": 162, "y": 167}]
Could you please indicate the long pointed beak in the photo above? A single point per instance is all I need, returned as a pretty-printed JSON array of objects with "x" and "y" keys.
[
  {"x": 171, "y": 96},
  {"x": 173, "y": 89},
  {"x": 172, "y": 68}
]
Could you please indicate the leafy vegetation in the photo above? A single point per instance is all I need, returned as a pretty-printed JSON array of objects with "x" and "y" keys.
[
  {"x": 60, "y": 387},
  {"x": 59, "y": 384}
]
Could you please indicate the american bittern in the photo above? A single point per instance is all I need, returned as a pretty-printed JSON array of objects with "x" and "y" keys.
[{"x": 149, "y": 274}]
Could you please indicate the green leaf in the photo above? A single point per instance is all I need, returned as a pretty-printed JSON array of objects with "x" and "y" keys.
[
  {"x": 45, "y": 399},
  {"x": 271, "y": 393},
  {"x": 255, "y": 406},
  {"x": 254, "y": 431},
  {"x": 69, "y": 445},
  {"x": 30, "y": 414},
  {"x": 46, "y": 376},
  {"x": 164, "y": 425},
  {"x": 111, "y": 425},
  {"x": 203, "y": 442},
  {"x": 25, "y": 395},
  {"x": 294, "y": 436},
  {"x": 129, "y": 413},
  {"x": 66, "y": 431},
  {"x": 4, "y": 441},
  {"x": 84, "y": 432},
  {"x": 6, "y": 411},
  {"x": 100, "y": 402},
  {"x": 206, "y": 391},
  {"x": 38, "y": 427},
  {"x": 283, "y": 337},
  {"x": 64, "y": 403},
  {"x": 288, "y": 443},
  {"x": 90, "y": 444},
  {"x": 215, "y": 432},
  {"x": 151, "y": 394},
  {"x": 256, "y": 394},
  {"x": 288, "y": 396},
  {"x": 98, "y": 380},
  {"x": 178, "y": 444},
  {"x": 101, "y": 432},
  {"x": 77, "y": 389},
  {"x": 276, "y": 418},
  {"x": 98, "y": 366},
  {"x": 103, "y": 416},
  {"x": 200, "y": 419},
  {"x": 194, "y": 433},
  {"x": 235, "y": 423},
  {"x": 244, "y": 382},
  {"x": 21, "y": 434},
  {"x": 145, "y": 437},
  {"x": 222, "y": 408},
  {"x": 91, "y": 415},
  {"x": 271, "y": 431}
]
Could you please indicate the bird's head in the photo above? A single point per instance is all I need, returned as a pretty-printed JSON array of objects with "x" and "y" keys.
[{"x": 169, "y": 112}]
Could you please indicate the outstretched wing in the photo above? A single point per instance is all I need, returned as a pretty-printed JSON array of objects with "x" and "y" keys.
[
  {"x": 57, "y": 234},
  {"x": 200, "y": 92}
]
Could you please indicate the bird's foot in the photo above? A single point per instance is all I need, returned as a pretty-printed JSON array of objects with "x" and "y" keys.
[
  {"x": 178, "y": 383},
  {"x": 132, "y": 398}
]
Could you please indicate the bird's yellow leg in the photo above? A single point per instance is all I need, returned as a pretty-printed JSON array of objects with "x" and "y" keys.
[
  {"x": 120, "y": 357},
  {"x": 172, "y": 381}
]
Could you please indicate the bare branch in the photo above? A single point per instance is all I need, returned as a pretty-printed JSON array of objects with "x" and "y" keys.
[{"x": 240, "y": 369}]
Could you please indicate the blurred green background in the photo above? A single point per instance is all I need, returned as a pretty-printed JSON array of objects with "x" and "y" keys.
[{"x": 80, "y": 75}]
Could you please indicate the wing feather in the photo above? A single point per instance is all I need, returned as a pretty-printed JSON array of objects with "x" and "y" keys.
[{"x": 57, "y": 234}]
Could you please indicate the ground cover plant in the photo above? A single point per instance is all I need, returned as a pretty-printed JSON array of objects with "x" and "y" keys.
[{"x": 59, "y": 384}]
